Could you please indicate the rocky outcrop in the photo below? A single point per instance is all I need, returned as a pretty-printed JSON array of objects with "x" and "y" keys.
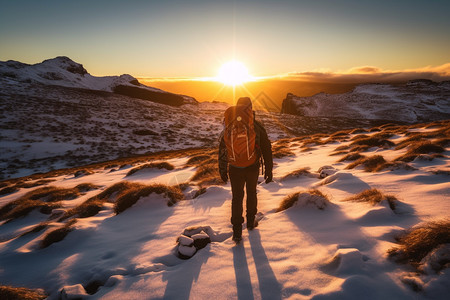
[{"x": 416, "y": 101}]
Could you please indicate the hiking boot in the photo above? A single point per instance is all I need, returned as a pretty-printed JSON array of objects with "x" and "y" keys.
[
  {"x": 252, "y": 224},
  {"x": 237, "y": 233},
  {"x": 236, "y": 239}
]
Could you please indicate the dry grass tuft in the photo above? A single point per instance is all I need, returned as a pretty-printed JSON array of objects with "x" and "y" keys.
[
  {"x": 8, "y": 190},
  {"x": 374, "y": 197},
  {"x": 57, "y": 235},
  {"x": 281, "y": 150},
  {"x": 418, "y": 242},
  {"x": 129, "y": 198},
  {"x": 93, "y": 205},
  {"x": 297, "y": 173},
  {"x": 116, "y": 190},
  {"x": 87, "y": 209},
  {"x": 20, "y": 293},
  {"x": 371, "y": 164},
  {"x": 45, "y": 199},
  {"x": 28, "y": 184},
  {"x": 199, "y": 192},
  {"x": 36, "y": 228},
  {"x": 313, "y": 198},
  {"x": 207, "y": 174},
  {"x": 199, "y": 159},
  {"x": 443, "y": 142},
  {"x": 420, "y": 148},
  {"x": 373, "y": 141},
  {"x": 86, "y": 187},
  {"x": 338, "y": 153},
  {"x": 352, "y": 156},
  {"x": 52, "y": 194},
  {"x": 342, "y": 148},
  {"x": 161, "y": 165},
  {"x": 358, "y": 130}
]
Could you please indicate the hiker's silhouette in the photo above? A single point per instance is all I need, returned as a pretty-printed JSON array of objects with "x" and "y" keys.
[{"x": 243, "y": 145}]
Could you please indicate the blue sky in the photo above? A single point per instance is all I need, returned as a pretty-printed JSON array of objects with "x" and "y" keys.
[{"x": 194, "y": 38}]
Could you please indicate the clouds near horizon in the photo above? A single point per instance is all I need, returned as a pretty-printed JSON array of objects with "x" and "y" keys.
[{"x": 373, "y": 74}]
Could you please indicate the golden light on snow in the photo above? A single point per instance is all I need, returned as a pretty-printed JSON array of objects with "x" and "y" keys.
[{"x": 233, "y": 73}]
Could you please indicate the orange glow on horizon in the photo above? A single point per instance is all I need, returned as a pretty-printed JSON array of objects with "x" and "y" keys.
[{"x": 233, "y": 73}]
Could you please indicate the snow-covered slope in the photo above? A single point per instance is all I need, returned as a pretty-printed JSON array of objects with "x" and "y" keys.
[
  {"x": 63, "y": 71},
  {"x": 417, "y": 101},
  {"x": 44, "y": 127},
  {"x": 320, "y": 248}
]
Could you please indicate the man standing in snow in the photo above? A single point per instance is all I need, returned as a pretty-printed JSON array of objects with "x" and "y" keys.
[{"x": 243, "y": 143}]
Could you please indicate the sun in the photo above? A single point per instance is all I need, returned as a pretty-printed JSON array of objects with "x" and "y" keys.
[{"x": 233, "y": 73}]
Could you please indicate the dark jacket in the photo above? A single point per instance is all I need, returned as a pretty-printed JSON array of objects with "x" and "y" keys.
[{"x": 263, "y": 148}]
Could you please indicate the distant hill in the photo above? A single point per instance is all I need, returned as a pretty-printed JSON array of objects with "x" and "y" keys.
[
  {"x": 62, "y": 71},
  {"x": 415, "y": 101}
]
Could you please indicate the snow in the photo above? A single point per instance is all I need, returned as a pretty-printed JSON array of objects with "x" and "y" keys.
[
  {"x": 332, "y": 251},
  {"x": 62, "y": 71},
  {"x": 407, "y": 103}
]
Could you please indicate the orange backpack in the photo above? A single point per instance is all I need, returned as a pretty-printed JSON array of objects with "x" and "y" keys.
[{"x": 240, "y": 136}]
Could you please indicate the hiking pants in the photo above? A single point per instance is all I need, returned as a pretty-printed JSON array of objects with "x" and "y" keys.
[{"x": 240, "y": 177}]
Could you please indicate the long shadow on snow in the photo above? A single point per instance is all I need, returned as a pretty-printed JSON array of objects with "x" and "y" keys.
[
  {"x": 329, "y": 226},
  {"x": 269, "y": 286},
  {"x": 96, "y": 252},
  {"x": 181, "y": 276},
  {"x": 243, "y": 281}
]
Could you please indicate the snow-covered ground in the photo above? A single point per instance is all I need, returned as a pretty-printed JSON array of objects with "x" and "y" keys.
[
  {"x": 339, "y": 252},
  {"x": 415, "y": 101}
]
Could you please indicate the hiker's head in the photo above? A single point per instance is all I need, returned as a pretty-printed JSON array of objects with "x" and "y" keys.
[{"x": 245, "y": 101}]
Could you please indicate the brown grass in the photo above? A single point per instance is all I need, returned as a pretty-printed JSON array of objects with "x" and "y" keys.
[
  {"x": 57, "y": 235},
  {"x": 52, "y": 194},
  {"x": 419, "y": 241},
  {"x": 374, "y": 197},
  {"x": 116, "y": 190},
  {"x": 199, "y": 159},
  {"x": 358, "y": 130},
  {"x": 341, "y": 148},
  {"x": 87, "y": 209},
  {"x": 373, "y": 141},
  {"x": 30, "y": 184},
  {"x": 410, "y": 141},
  {"x": 338, "y": 153},
  {"x": 373, "y": 163},
  {"x": 36, "y": 228},
  {"x": 44, "y": 198},
  {"x": 129, "y": 198},
  {"x": 443, "y": 142},
  {"x": 199, "y": 192},
  {"x": 280, "y": 151},
  {"x": 93, "y": 205},
  {"x": 86, "y": 187},
  {"x": 352, "y": 157},
  {"x": 420, "y": 148},
  {"x": 207, "y": 173},
  {"x": 160, "y": 165},
  {"x": 312, "y": 197},
  {"x": 131, "y": 160},
  {"x": 8, "y": 190},
  {"x": 297, "y": 173},
  {"x": 20, "y": 293}
]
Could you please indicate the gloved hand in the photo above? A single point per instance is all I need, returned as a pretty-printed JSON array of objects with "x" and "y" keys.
[
  {"x": 224, "y": 176},
  {"x": 268, "y": 176}
]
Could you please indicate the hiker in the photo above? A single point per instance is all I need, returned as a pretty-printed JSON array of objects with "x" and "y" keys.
[{"x": 243, "y": 144}]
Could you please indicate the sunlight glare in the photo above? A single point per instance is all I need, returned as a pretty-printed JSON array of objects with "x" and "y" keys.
[{"x": 233, "y": 73}]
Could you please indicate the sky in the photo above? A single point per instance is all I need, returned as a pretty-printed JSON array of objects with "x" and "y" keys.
[{"x": 194, "y": 38}]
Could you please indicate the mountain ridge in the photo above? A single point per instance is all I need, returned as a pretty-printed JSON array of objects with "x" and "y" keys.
[{"x": 63, "y": 71}]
